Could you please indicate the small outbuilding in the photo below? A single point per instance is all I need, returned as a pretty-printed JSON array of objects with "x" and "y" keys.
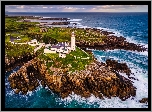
[
  {"x": 12, "y": 39},
  {"x": 33, "y": 42}
]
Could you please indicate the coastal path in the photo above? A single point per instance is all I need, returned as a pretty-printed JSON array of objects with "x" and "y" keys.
[{"x": 40, "y": 45}]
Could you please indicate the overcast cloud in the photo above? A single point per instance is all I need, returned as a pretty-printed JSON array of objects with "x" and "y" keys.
[{"x": 76, "y": 8}]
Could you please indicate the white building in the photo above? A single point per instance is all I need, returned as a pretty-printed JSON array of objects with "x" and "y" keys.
[
  {"x": 61, "y": 48},
  {"x": 73, "y": 42},
  {"x": 49, "y": 51},
  {"x": 33, "y": 42}
]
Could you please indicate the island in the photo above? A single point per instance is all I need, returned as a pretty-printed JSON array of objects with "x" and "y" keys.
[{"x": 61, "y": 59}]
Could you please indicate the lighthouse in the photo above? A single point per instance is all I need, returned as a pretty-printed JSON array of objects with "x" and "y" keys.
[{"x": 72, "y": 42}]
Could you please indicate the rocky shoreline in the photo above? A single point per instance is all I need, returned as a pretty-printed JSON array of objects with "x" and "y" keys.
[
  {"x": 19, "y": 61},
  {"x": 38, "y": 17},
  {"x": 62, "y": 19},
  {"x": 111, "y": 43},
  {"x": 56, "y": 23},
  {"x": 144, "y": 100},
  {"x": 99, "y": 79},
  {"x": 96, "y": 79}
]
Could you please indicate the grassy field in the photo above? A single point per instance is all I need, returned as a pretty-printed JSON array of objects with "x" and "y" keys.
[
  {"x": 16, "y": 50},
  {"x": 29, "y": 30},
  {"x": 11, "y": 25},
  {"x": 72, "y": 59}
]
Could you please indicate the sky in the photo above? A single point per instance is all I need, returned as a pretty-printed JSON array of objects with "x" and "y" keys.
[{"x": 76, "y": 8}]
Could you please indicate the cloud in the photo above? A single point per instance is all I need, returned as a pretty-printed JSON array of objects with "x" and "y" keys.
[
  {"x": 121, "y": 8},
  {"x": 22, "y": 6},
  {"x": 77, "y": 8},
  {"x": 68, "y": 7},
  {"x": 105, "y": 6},
  {"x": 45, "y": 7}
]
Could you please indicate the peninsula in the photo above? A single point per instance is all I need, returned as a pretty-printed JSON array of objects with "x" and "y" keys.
[{"x": 57, "y": 57}]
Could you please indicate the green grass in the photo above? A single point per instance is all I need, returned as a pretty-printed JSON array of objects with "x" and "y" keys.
[
  {"x": 23, "y": 38},
  {"x": 78, "y": 53},
  {"x": 12, "y": 25},
  {"x": 34, "y": 29},
  {"x": 76, "y": 63},
  {"x": 60, "y": 34},
  {"x": 7, "y": 38},
  {"x": 52, "y": 55},
  {"x": 30, "y": 31},
  {"x": 16, "y": 50}
]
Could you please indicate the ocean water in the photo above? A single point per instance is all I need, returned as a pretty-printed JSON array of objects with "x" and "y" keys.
[{"x": 133, "y": 26}]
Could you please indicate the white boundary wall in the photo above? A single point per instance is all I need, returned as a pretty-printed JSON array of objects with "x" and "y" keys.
[{"x": 49, "y": 51}]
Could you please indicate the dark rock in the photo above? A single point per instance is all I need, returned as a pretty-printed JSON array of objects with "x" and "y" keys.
[
  {"x": 101, "y": 81},
  {"x": 31, "y": 88},
  {"x": 17, "y": 91},
  {"x": 111, "y": 43},
  {"x": 144, "y": 100},
  {"x": 121, "y": 67}
]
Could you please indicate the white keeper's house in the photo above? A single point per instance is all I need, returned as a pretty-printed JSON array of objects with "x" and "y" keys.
[{"x": 62, "y": 48}]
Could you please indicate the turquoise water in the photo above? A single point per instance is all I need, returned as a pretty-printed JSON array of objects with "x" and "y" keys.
[{"x": 134, "y": 27}]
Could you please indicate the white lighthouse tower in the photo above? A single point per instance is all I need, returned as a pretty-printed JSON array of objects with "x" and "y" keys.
[{"x": 73, "y": 42}]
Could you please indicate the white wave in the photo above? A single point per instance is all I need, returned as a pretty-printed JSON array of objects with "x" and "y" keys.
[
  {"x": 145, "y": 53},
  {"x": 7, "y": 83},
  {"x": 104, "y": 57},
  {"x": 10, "y": 93},
  {"x": 99, "y": 57},
  {"x": 132, "y": 40},
  {"x": 115, "y": 50},
  {"x": 116, "y": 32},
  {"x": 14, "y": 71},
  {"x": 30, "y": 93},
  {"x": 110, "y": 54},
  {"x": 140, "y": 74},
  {"x": 73, "y": 97},
  {"x": 146, "y": 45},
  {"x": 114, "y": 102},
  {"x": 141, "y": 84},
  {"x": 46, "y": 17},
  {"x": 81, "y": 26},
  {"x": 37, "y": 16},
  {"x": 75, "y": 20},
  {"x": 128, "y": 38}
]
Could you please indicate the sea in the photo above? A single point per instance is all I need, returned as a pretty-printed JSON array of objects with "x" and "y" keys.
[{"x": 132, "y": 26}]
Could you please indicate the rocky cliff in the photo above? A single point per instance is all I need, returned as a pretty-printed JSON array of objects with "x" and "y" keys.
[
  {"x": 95, "y": 79},
  {"x": 17, "y": 61},
  {"x": 111, "y": 43}
]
